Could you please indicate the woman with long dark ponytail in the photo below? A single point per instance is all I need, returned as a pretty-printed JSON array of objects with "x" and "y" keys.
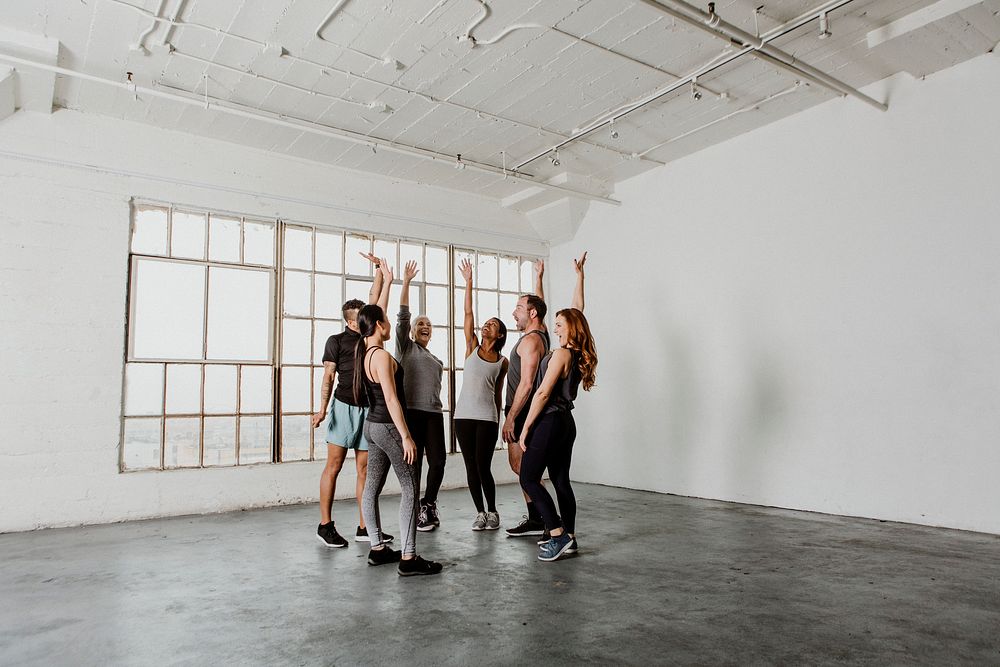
[
  {"x": 390, "y": 443},
  {"x": 549, "y": 430}
]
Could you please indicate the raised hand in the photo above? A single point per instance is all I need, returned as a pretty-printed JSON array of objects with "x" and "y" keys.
[
  {"x": 370, "y": 257},
  {"x": 410, "y": 271},
  {"x": 466, "y": 268},
  {"x": 385, "y": 269},
  {"x": 578, "y": 263},
  {"x": 539, "y": 268}
]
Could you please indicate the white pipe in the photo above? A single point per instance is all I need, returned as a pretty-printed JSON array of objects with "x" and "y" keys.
[
  {"x": 141, "y": 41},
  {"x": 329, "y": 18},
  {"x": 302, "y": 125}
]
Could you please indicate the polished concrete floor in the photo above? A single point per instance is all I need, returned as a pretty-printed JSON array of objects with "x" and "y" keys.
[{"x": 659, "y": 580}]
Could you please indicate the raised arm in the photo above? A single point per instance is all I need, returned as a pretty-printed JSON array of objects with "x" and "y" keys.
[
  {"x": 385, "y": 272},
  {"x": 539, "y": 272},
  {"x": 558, "y": 366},
  {"x": 376, "y": 288},
  {"x": 531, "y": 352},
  {"x": 410, "y": 272},
  {"x": 469, "y": 322},
  {"x": 403, "y": 317},
  {"x": 578, "y": 291},
  {"x": 383, "y": 372}
]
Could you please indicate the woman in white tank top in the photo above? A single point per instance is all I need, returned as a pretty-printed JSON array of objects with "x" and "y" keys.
[{"x": 477, "y": 411}]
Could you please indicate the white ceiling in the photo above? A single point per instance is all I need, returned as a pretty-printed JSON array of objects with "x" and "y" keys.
[{"x": 395, "y": 71}]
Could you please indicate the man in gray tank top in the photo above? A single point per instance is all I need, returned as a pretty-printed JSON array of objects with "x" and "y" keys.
[{"x": 529, "y": 316}]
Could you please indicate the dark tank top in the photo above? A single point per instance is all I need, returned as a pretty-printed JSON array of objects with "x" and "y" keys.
[
  {"x": 565, "y": 390},
  {"x": 378, "y": 411},
  {"x": 514, "y": 368}
]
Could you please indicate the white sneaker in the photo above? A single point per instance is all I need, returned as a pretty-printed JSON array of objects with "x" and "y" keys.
[
  {"x": 492, "y": 521},
  {"x": 480, "y": 522}
]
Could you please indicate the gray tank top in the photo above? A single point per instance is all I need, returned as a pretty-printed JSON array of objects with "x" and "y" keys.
[
  {"x": 514, "y": 369},
  {"x": 479, "y": 386},
  {"x": 564, "y": 393}
]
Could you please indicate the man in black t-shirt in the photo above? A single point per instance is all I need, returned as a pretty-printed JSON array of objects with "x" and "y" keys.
[{"x": 344, "y": 431}]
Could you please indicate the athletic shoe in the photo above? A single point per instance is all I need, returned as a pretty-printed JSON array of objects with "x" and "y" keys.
[
  {"x": 328, "y": 535},
  {"x": 425, "y": 522},
  {"x": 544, "y": 538},
  {"x": 383, "y": 556},
  {"x": 362, "y": 536},
  {"x": 432, "y": 509},
  {"x": 573, "y": 548},
  {"x": 492, "y": 521},
  {"x": 417, "y": 566},
  {"x": 527, "y": 527},
  {"x": 555, "y": 548},
  {"x": 480, "y": 522}
]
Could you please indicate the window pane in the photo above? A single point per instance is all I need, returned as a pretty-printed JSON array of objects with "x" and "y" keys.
[
  {"x": 239, "y": 314},
  {"x": 459, "y": 256},
  {"x": 182, "y": 443},
  {"x": 143, "y": 389},
  {"x": 394, "y": 299},
  {"x": 459, "y": 344},
  {"x": 356, "y": 264},
  {"x": 220, "y": 441},
  {"x": 435, "y": 267},
  {"x": 183, "y": 389},
  {"x": 458, "y": 303},
  {"x": 295, "y": 341},
  {"x": 508, "y": 274},
  {"x": 487, "y": 272},
  {"x": 255, "y": 389},
  {"x": 358, "y": 289},
  {"x": 295, "y": 436},
  {"x": 437, "y": 304},
  {"x": 187, "y": 235},
  {"x": 298, "y": 289},
  {"x": 220, "y": 390},
  {"x": 506, "y": 313},
  {"x": 447, "y": 431},
  {"x": 258, "y": 243},
  {"x": 223, "y": 238},
  {"x": 141, "y": 444},
  {"x": 438, "y": 345},
  {"x": 444, "y": 395},
  {"x": 319, "y": 440},
  {"x": 486, "y": 306},
  {"x": 412, "y": 252},
  {"x": 458, "y": 383},
  {"x": 323, "y": 330},
  {"x": 387, "y": 249},
  {"x": 330, "y": 252},
  {"x": 295, "y": 393},
  {"x": 317, "y": 388},
  {"x": 527, "y": 277},
  {"x": 298, "y": 248},
  {"x": 149, "y": 231},
  {"x": 513, "y": 335},
  {"x": 255, "y": 440},
  {"x": 169, "y": 310},
  {"x": 328, "y": 295}
]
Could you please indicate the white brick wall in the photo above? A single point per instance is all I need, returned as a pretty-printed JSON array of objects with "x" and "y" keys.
[{"x": 65, "y": 184}]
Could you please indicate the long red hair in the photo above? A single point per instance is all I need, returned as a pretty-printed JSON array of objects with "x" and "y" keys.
[{"x": 579, "y": 338}]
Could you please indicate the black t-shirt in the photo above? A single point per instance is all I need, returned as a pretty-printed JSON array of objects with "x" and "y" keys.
[{"x": 340, "y": 349}]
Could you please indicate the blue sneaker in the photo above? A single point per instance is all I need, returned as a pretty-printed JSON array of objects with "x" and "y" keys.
[{"x": 555, "y": 548}]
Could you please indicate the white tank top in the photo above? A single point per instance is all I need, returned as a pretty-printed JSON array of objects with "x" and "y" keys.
[{"x": 479, "y": 387}]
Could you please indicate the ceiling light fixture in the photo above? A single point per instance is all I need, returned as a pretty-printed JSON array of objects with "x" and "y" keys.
[
  {"x": 614, "y": 132},
  {"x": 554, "y": 158},
  {"x": 695, "y": 91},
  {"x": 824, "y": 26},
  {"x": 458, "y": 162}
]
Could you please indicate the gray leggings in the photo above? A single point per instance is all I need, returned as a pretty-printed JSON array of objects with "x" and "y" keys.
[{"x": 385, "y": 447}]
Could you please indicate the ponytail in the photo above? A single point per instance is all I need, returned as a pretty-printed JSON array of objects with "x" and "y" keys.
[{"x": 368, "y": 320}]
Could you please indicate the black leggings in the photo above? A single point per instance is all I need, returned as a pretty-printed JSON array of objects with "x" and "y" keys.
[
  {"x": 478, "y": 440},
  {"x": 427, "y": 429},
  {"x": 550, "y": 445}
]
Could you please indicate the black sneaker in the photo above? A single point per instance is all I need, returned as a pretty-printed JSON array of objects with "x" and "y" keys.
[
  {"x": 362, "y": 536},
  {"x": 527, "y": 527},
  {"x": 432, "y": 509},
  {"x": 416, "y": 566},
  {"x": 328, "y": 535},
  {"x": 383, "y": 556},
  {"x": 544, "y": 538},
  {"x": 425, "y": 520}
]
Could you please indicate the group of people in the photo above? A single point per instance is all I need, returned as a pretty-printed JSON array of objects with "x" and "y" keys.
[{"x": 388, "y": 409}]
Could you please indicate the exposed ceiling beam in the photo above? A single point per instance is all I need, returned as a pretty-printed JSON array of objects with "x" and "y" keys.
[
  {"x": 6, "y": 91},
  {"x": 918, "y": 19}
]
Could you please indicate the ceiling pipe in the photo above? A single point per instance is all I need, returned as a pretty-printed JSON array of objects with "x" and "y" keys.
[
  {"x": 715, "y": 25},
  {"x": 301, "y": 125},
  {"x": 140, "y": 42},
  {"x": 712, "y": 65}
]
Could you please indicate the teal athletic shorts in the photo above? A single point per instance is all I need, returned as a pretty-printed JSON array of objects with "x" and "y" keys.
[{"x": 346, "y": 425}]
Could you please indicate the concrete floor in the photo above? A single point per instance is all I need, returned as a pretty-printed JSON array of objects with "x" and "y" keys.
[{"x": 659, "y": 580}]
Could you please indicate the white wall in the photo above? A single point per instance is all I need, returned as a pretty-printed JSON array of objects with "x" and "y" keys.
[
  {"x": 808, "y": 316},
  {"x": 65, "y": 184}
]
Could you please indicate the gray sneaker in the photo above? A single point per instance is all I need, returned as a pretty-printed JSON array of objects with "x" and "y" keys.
[
  {"x": 480, "y": 522},
  {"x": 492, "y": 521}
]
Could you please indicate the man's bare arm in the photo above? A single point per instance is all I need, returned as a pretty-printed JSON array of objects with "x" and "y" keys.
[{"x": 326, "y": 388}]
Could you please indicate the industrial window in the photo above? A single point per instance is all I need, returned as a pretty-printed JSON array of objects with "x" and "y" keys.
[{"x": 228, "y": 317}]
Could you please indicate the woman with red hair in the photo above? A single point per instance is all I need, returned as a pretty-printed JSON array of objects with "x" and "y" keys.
[{"x": 549, "y": 430}]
